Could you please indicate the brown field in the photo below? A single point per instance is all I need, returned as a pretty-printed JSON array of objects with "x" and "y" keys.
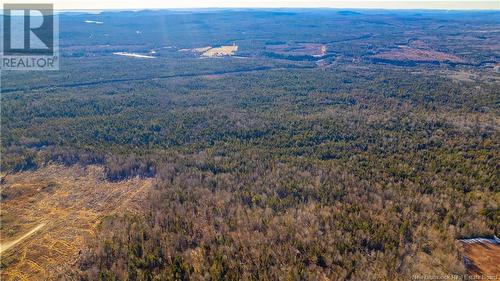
[
  {"x": 48, "y": 214},
  {"x": 418, "y": 55},
  {"x": 484, "y": 259}
]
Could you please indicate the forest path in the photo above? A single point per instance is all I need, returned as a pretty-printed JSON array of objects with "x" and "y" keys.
[{"x": 9, "y": 244}]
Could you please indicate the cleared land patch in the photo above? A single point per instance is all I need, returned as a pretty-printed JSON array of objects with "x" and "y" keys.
[
  {"x": 482, "y": 258},
  {"x": 406, "y": 54},
  {"x": 209, "y": 51},
  {"x": 49, "y": 213},
  {"x": 221, "y": 51}
]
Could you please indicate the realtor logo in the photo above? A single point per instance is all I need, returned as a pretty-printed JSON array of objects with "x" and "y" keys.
[{"x": 29, "y": 39}]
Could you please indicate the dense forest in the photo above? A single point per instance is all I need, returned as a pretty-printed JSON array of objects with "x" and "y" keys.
[{"x": 273, "y": 168}]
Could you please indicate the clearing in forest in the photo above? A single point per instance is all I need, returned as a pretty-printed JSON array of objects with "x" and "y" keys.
[{"x": 48, "y": 214}]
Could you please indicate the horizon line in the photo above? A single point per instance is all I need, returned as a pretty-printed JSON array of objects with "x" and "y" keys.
[
  {"x": 276, "y": 8},
  {"x": 460, "y": 5}
]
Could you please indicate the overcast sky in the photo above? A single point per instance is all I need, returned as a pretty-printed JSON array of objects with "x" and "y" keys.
[{"x": 157, "y": 4}]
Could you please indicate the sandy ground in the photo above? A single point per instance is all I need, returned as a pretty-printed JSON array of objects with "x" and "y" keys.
[{"x": 48, "y": 214}]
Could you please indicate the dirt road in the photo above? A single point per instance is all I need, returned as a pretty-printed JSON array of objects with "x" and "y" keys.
[{"x": 7, "y": 245}]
